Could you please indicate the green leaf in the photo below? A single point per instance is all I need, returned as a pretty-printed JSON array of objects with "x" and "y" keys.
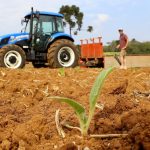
[
  {"x": 97, "y": 86},
  {"x": 61, "y": 72},
  {"x": 95, "y": 91},
  {"x": 78, "y": 108}
]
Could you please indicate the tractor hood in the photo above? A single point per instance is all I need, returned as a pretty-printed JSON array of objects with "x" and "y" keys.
[{"x": 12, "y": 38}]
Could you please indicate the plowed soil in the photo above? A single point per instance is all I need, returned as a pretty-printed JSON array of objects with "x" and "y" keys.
[{"x": 27, "y": 115}]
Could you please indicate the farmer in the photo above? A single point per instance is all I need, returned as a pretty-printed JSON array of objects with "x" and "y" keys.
[{"x": 123, "y": 43}]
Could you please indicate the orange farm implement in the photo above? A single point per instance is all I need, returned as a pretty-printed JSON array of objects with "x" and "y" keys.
[{"x": 92, "y": 54}]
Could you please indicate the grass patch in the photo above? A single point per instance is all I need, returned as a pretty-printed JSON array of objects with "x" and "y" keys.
[{"x": 110, "y": 53}]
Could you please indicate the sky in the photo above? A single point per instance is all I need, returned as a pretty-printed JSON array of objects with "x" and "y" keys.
[{"x": 106, "y": 17}]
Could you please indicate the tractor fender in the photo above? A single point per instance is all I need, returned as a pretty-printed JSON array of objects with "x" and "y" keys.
[{"x": 56, "y": 36}]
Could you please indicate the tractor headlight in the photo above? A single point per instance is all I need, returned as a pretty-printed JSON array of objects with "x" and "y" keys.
[
  {"x": 12, "y": 38},
  {"x": 4, "y": 41}
]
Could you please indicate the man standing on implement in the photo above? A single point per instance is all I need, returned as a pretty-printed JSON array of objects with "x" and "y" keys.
[{"x": 123, "y": 43}]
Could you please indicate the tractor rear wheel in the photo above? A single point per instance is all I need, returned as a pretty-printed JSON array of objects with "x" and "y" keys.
[
  {"x": 12, "y": 56},
  {"x": 62, "y": 53}
]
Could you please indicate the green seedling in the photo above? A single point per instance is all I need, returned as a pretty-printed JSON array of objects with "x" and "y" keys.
[
  {"x": 61, "y": 72},
  {"x": 80, "y": 111}
]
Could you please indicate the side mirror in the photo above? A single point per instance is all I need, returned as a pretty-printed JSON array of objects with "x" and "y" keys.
[{"x": 22, "y": 21}]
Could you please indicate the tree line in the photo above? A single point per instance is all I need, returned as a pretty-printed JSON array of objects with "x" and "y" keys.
[{"x": 134, "y": 47}]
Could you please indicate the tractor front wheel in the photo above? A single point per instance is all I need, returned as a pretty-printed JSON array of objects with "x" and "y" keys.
[
  {"x": 63, "y": 53},
  {"x": 12, "y": 56}
]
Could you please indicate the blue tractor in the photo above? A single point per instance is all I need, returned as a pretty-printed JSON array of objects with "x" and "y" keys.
[{"x": 43, "y": 42}]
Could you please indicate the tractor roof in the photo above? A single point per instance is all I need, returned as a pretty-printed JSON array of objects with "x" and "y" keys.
[{"x": 46, "y": 13}]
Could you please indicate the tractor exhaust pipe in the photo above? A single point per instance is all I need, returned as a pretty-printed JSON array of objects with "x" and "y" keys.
[
  {"x": 31, "y": 35},
  {"x": 31, "y": 26}
]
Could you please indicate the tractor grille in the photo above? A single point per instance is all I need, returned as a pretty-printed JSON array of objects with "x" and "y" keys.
[{"x": 4, "y": 41}]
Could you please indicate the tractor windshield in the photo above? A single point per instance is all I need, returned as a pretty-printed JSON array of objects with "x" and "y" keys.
[{"x": 46, "y": 25}]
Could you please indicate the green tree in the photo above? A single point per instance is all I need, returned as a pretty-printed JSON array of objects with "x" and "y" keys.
[
  {"x": 89, "y": 29},
  {"x": 73, "y": 17},
  {"x": 111, "y": 46},
  {"x": 134, "y": 47}
]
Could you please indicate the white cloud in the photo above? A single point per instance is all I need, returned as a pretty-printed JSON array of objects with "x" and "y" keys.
[
  {"x": 99, "y": 21},
  {"x": 118, "y": 2},
  {"x": 103, "y": 18}
]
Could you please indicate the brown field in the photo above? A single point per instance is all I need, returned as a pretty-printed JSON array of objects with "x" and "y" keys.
[
  {"x": 132, "y": 61},
  {"x": 27, "y": 115}
]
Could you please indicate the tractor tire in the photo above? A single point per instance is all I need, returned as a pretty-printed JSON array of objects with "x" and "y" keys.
[
  {"x": 62, "y": 53},
  {"x": 12, "y": 56}
]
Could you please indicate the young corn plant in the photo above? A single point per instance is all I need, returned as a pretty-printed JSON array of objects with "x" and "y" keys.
[
  {"x": 80, "y": 111},
  {"x": 61, "y": 72}
]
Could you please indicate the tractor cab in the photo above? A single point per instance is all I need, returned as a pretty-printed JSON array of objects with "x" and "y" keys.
[
  {"x": 45, "y": 22},
  {"x": 41, "y": 26}
]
